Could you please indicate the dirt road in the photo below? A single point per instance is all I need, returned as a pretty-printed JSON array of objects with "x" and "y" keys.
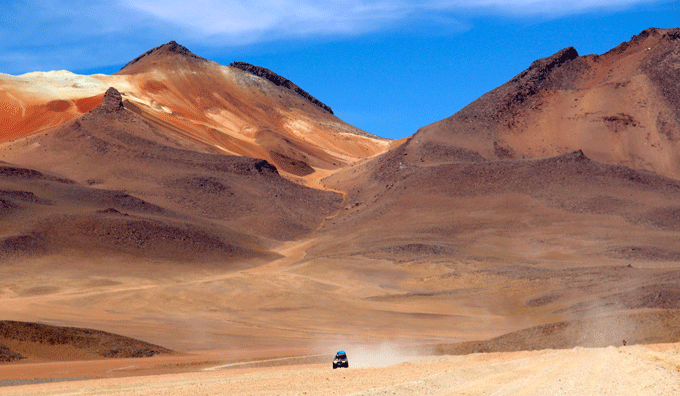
[{"x": 632, "y": 370}]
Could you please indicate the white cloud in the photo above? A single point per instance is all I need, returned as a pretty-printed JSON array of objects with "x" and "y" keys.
[
  {"x": 74, "y": 34},
  {"x": 236, "y": 18},
  {"x": 255, "y": 20}
]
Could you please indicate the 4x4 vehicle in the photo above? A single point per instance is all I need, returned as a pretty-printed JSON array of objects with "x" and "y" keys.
[{"x": 340, "y": 360}]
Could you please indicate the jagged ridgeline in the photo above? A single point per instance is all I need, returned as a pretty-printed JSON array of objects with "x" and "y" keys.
[
  {"x": 621, "y": 107},
  {"x": 279, "y": 81}
]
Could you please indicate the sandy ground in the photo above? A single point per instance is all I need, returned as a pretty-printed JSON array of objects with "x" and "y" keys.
[{"x": 632, "y": 370}]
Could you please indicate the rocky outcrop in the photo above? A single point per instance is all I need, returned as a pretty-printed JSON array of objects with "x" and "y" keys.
[
  {"x": 279, "y": 81},
  {"x": 539, "y": 69},
  {"x": 663, "y": 69},
  {"x": 666, "y": 34},
  {"x": 113, "y": 101},
  {"x": 8, "y": 355},
  {"x": 558, "y": 71}
]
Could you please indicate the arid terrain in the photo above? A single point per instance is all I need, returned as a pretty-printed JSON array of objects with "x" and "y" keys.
[
  {"x": 631, "y": 370},
  {"x": 223, "y": 231}
]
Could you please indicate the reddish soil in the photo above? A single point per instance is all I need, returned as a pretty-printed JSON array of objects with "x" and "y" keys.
[{"x": 86, "y": 104}]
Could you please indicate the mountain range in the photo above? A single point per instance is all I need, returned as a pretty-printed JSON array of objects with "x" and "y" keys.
[{"x": 200, "y": 206}]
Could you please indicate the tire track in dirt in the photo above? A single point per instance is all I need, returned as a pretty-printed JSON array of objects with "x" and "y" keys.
[
  {"x": 266, "y": 362},
  {"x": 336, "y": 214}
]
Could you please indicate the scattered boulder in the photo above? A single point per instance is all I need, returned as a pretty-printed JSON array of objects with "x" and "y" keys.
[{"x": 7, "y": 355}]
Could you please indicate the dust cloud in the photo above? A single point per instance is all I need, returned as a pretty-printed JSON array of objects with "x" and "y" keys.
[{"x": 362, "y": 354}]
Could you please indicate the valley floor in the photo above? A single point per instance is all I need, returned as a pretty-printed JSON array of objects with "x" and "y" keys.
[{"x": 631, "y": 370}]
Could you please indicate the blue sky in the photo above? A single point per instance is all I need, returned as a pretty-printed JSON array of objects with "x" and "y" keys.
[{"x": 388, "y": 67}]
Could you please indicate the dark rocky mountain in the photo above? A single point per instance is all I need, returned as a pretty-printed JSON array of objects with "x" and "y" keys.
[
  {"x": 278, "y": 81},
  {"x": 620, "y": 107},
  {"x": 165, "y": 50}
]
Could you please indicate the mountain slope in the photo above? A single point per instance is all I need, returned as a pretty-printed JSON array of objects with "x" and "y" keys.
[
  {"x": 117, "y": 163},
  {"x": 526, "y": 207},
  {"x": 486, "y": 223},
  {"x": 32, "y": 341},
  {"x": 220, "y": 107},
  {"x": 507, "y": 244},
  {"x": 620, "y": 107}
]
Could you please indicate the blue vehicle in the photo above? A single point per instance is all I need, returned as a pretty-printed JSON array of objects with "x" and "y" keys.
[{"x": 340, "y": 360}]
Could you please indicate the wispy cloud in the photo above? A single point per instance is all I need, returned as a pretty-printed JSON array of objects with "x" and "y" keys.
[
  {"x": 267, "y": 19},
  {"x": 75, "y": 34},
  {"x": 254, "y": 20}
]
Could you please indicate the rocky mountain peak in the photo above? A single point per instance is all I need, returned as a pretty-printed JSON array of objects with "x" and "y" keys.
[
  {"x": 171, "y": 48},
  {"x": 669, "y": 35},
  {"x": 541, "y": 68}
]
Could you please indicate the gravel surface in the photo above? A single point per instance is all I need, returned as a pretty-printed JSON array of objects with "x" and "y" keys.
[
  {"x": 15, "y": 382},
  {"x": 633, "y": 370}
]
